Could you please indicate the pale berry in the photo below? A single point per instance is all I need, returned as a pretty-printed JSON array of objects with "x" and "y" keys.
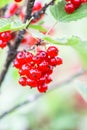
[{"x": 12, "y": 9}]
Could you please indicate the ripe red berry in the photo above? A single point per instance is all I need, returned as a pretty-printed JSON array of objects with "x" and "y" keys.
[
  {"x": 28, "y": 57},
  {"x": 42, "y": 55},
  {"x": 34, "y": 74},
  {"x": 3, "y": 44},
  {"x": 23, "y": 81},
  {"x": 5, "y": 36},
  {"x": 21, "y": 57},
  {"x": 31, "y": 83},
  {"x": 43, "y": 66},
  {"x": 17, "y": 64},
  {"x": 69, "y": 8},
  {"x": 76, "y": 3},
  {"x": 18, "y": 0},
  {"x": 47, "y": 79},
  {"x": 25, "y": 69},
  {"x": 59, "y": 61},
  {"x": 41, "y": 81},
  {"x": 52, "y": 51},
  {"x": 83, "y": 1},
  {"x": 42, "y": 89}
]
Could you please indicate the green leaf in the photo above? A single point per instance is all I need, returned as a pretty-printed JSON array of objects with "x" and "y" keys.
[
  {"x": 12, "y": 23},
  {"x": 4, "y": 2},
  {"x": 81, "y": 48},
  {"x": 38, "y": 27},
  {"x": 75, "y": 42},
  {"x": 82, "y": 89},
  {"x": 59, "y": 13}
]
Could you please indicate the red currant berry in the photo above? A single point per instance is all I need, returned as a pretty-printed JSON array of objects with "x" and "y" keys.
[
  {"x": 83, "y": 1},
  {"x": 34, "y": 74},
  {"x": 76, "y": 3},
  {"x": 3, "y": 44},
  {"x": 59, "y": 61},
  {"x": 23, "y": 81},
  {"x": 42, "y": 55},
  {"x": 25, "y": 69},
  {"x": 42, "y": 89},
  {"x": 17, "y": 64},
  {"x": 31, "y": 83},
  {"x": 37, "y": 60},
  {"x": 5, "y": 36},
  {"x": 18, "y": 0},
  {"x": 43, "y": 66},
  {"x": 69, "y": 8},
  {"x": 47, "y": 79},
  {"x": 53, "y": 61},
  {"x": 41, "y": 81},
  {"x": 28, "y": 57},
  {"x": 52, "y": 51},
  {"x": 21, "y": 57}
]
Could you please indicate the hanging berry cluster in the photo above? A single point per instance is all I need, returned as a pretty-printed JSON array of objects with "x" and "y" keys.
[
  {"x": 4, "y": 38},
  {"x": 72, "y": 5},
  {"x": 35, "y": 70}
]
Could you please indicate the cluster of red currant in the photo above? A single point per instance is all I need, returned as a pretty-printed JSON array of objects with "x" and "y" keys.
[
  {"x": 35, "y": 70},
  {"x": 4, "y": 38},
  {"x": 72, "y": 5}
]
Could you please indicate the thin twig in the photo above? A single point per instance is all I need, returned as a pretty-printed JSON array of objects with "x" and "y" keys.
[{"x": 33, "y": 98}]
